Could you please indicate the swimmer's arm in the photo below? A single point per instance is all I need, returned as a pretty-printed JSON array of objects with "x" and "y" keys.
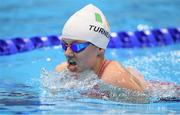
[{"x": 60, "y": 67}]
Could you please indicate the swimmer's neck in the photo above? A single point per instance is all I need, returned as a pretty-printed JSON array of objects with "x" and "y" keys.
[{"x": 98, "y": 64}]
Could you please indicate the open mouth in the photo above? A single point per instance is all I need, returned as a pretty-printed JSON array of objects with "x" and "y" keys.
[
  {"x": 71, "y": 62},
  {"x": 72, "y": 65}
]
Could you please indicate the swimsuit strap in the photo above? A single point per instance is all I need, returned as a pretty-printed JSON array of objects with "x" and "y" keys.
[{"x": 104, "y": 64}]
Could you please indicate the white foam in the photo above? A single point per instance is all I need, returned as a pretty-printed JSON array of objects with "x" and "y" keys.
[{"x": 67, "y": 81}]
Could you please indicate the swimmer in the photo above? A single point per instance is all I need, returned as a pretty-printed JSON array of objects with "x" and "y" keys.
[{"x": 85, "y": 37}]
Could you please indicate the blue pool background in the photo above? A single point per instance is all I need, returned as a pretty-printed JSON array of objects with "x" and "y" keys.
[
  {"x": 20, "y": 73},
  {"x": 44, "y": 17}
]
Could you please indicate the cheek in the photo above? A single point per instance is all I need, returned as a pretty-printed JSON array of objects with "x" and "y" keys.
[{"x": 88, "y": 59}]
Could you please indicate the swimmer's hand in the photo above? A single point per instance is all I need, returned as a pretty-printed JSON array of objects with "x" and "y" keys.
[{"x": 60, "y": 67}]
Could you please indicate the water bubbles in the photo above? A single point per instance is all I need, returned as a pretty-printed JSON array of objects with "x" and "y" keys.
[
  {"x": 70, "y": 85},
  {"x": 68, "y": 80},
  {"x": 84, "y": 84},
  {"x": 48, "y": 59}
]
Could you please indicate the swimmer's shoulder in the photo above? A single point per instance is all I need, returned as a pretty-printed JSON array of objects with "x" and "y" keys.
[
  {"x": 115, "y": 71},
  {"x": 60, "y": 67},
  {"x": 112, "y": 69},
  {"x": 114, "y": 65}
]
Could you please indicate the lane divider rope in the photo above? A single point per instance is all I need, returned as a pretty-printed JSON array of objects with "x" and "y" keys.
[{"x": 146, "y": 38}]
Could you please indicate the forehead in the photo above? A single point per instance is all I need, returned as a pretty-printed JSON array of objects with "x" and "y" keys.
[{"x": 67, "y": 40}]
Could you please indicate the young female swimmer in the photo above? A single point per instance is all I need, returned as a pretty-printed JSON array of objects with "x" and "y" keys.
[{"x": 85, "y": 37}]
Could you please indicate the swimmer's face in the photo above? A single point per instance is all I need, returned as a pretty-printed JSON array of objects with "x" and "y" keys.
[{"x": 79, "y": 61}]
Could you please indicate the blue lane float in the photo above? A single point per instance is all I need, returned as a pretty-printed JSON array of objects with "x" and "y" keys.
[{"x": 146, "y": 38}]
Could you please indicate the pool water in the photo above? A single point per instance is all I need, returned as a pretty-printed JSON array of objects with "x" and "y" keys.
[
  {"x": 43, "y": 17},
  {"x": 21, "y": 91}
]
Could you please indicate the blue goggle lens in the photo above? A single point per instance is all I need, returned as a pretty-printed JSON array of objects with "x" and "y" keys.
[{"x": 76, "y": 47}]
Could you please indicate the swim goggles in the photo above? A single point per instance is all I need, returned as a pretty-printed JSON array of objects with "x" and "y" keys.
[{"x": 75, "y": 47}]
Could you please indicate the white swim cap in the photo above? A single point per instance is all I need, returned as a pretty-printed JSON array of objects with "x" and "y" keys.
[{"x": 88, "y": 24}]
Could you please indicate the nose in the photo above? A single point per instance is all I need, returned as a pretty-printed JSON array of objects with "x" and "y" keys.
[{"x": 68, "y": 52}]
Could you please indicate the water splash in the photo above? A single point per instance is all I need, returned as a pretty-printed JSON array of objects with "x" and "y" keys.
[
  {"x": 68, "y": 80},
  {"x": 163, "y": 91},
  {"x": 160, "y": 65},
  {"x": 87, "y": 84},
  {"x": 70, "y": 85}
]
